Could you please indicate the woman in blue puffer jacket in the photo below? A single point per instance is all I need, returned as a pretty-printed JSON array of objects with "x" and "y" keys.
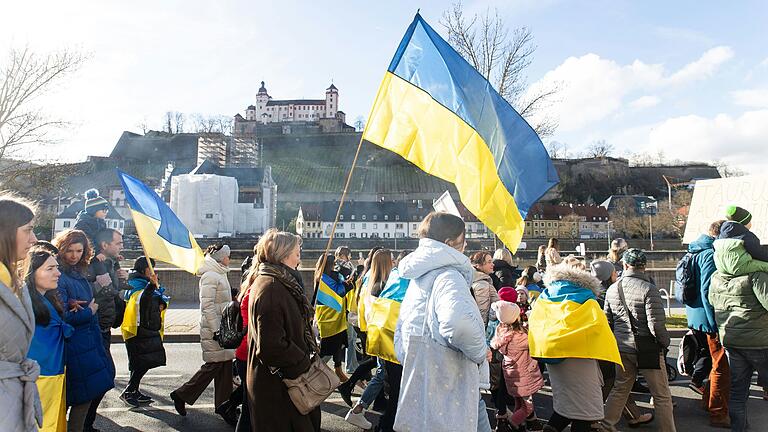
[
  {"x": 89, "y": 372},
  {"x": 440, "y": 336}
]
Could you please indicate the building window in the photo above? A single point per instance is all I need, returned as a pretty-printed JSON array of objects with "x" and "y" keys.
[
  {"x": 209, "y": 215},
  {"x": 340, "y": 225},
  {"x": 386, "y": 217},
  {"x": 397, "y": 217},
  {"x": 341, "y": 217},
  {"x": 364, "y": 225},
  {"x": 375, "y": 226},
  {"x": 363, "y": 217},
  {"x": 352, "y": 225},
  {"x": 375, "y": 217},
  {"x": 399, "y": 226},
  {"x": 352, "y": 217},
  {"x": 386, "y": 226},
  {"x": 67, "y": 224},
  {"x": 414, "y": 226}
]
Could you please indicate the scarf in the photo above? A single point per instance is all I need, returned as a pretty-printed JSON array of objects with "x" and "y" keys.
[{"x": 291, "y": 279}]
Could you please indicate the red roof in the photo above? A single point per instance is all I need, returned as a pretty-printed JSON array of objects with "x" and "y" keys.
[{"x": 544, "y": 211}]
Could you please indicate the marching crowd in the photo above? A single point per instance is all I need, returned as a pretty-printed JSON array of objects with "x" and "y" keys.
[{"x": 436, "y": 328}]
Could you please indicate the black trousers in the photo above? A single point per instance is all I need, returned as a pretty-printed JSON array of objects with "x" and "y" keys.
[
  {"x": 244, "y": 423},
  {"x": 90, "y": 417},
  {"x": 135, "y": 380},
  {"x": 394, "y": 375},
  {"x": 559, "y": 423}
]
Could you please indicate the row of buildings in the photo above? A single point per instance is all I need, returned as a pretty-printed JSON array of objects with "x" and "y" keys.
[{"x": 401, "y": 220}]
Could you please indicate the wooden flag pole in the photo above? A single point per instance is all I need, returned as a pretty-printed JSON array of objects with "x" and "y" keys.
[{"x": 341, "y": 202}]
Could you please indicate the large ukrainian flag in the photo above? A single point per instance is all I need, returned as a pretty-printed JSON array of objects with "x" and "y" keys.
[
  {"x": 434, "y": 109},
  {"x": 382, "y": 322},
  {"x": 330, "y": 315},
  {"x": 162, "y": 234}
]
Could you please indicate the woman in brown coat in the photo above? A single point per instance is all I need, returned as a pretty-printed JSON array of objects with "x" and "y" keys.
[{"x": 280, "y": 338}]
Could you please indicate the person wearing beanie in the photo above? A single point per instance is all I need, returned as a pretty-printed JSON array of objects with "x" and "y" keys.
[
  {"x": 91, "y": 219},
  {"x": 737, "y": 227},
  {"x": 606, "y": 273},
  {"x": 521, "y": 375},
  {"x": 634, "y": 302}
]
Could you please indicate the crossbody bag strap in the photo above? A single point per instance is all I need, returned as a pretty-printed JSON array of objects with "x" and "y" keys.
[{"x": 624, "y": 304}]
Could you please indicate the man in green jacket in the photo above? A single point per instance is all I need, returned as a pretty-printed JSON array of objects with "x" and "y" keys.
[{"x": 741, "y": 311}]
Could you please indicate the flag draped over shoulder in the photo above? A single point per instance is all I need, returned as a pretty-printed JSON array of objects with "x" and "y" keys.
[
  {"x": 331, "y": 293},
  {"x": 330, "y": 313},
  {"x": 567, "y": 322},
  {"x": 163, "y": 236},
  {"x": 435, "y": 110},
  {"x": 382, "y": 318}
]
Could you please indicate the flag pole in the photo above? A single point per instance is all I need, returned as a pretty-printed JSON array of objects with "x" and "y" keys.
[
  {"x": 144, "y": 249},
  {"x": 341, "y": 202}
]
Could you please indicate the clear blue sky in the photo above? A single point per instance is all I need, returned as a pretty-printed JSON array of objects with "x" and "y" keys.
[{"x": 689, "y": 78}]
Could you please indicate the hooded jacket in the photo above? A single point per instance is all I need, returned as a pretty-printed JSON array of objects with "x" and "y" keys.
[
  {"x": 521, "y": 372},
  {"x": 740, "y": 300},
  {"x": 701, "y": 315},
  {"x": 439, "y": 324},
  {"x": 735, "y": 230},
  {"x": 484, "y": 293},
  {"x": 215, "y": 293}
]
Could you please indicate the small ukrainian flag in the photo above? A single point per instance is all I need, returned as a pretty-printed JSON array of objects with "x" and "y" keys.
[{"x": 163, "y": 236}]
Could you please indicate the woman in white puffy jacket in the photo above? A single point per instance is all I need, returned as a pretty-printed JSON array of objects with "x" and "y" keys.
[
  {"x": 440, "y": 336},
  {"x": 215, "y": 294}
]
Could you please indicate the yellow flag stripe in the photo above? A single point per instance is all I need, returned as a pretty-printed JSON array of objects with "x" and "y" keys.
[
  {"x": 406, "y": 120},
  {"x": 158, "y": 248}
]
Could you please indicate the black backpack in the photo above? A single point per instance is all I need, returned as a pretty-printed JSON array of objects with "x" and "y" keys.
[
  {"x": 231, "y": 331},
  {"x": 686, "y": 283}
]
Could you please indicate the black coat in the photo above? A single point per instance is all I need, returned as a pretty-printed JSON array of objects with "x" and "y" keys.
[
  {"x": 145, "y": 350},
  {"x": 90, "y": 225},
  {"x": 735, "y": 230},
  {"x": 506, "y": 273}
]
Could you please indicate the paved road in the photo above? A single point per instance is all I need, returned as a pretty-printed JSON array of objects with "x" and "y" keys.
[{"x": 184, "y": 360}]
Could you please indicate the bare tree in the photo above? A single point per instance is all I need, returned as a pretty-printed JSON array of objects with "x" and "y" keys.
[
  {"x": 24, "y": 76},
  {"x": 599, "y": 149},
  {"x": 143, "y": 126},
  {"x": 557, "y": 150},
  {"x": 174, "y": 122},
  {"x": 212, "y": 124},
  {"x": 726, "y": 170},
  {"x": 502, "y": 58}
]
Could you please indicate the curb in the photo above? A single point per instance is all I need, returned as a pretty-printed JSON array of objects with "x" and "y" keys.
[
  {"x": 195, "y": 337},
  {"x": 169, "y": 338}
]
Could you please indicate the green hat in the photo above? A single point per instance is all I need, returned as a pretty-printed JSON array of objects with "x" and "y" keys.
[
  {"x": 635, "y": 257},
  {"x": 738, "y": 214}
]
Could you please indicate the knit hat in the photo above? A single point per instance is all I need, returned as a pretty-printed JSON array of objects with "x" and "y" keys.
[
  {"x": 506, "y": 312},
  {"x": 738, "y": 214},
  {"x": 635, "y": 257},
  {"x": 601, "y": 269},
  {"x": 508, "y": 294},
  {"x": 94, "y": 202},
  {"x": 221, "y": 253}
]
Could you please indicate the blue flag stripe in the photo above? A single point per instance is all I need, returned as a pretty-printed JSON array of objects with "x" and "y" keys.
[{"x": 427, "y": 61}]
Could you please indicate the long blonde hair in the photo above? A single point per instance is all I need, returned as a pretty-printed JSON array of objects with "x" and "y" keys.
[
  {"x": 618, "y": 247},
  {"x": 16, "y": 212},
  {"x": 381, "y": 266},
  {"x": 503, "y": 254},
  {"x": 273, "y": 247}
]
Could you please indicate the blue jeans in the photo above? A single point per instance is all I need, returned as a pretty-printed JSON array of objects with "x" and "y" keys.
[
  {"x": 743, "y": 363},
  {"x": 483, "y": 423},
  {"x": 374, "y": 387}
]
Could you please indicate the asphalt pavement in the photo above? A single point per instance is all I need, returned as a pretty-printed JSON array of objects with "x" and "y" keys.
[{"x": 185, "y": 358}]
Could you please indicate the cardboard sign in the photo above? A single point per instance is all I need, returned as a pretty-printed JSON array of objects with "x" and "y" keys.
[{"x": 711, "y": 197}]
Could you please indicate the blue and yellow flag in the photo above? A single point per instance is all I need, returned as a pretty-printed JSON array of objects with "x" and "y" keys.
[
  {"x": 382, "y": 318},
  {"x": 567, "y": 322},
  {"x": 331, "y": 293},
  {"x": 47, "y": 349},
  {"x": 435, "y": 110},
  {"x": 162, "y": 234}
]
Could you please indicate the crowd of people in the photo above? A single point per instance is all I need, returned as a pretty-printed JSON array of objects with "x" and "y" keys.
[{"x": 437, "y": 329}]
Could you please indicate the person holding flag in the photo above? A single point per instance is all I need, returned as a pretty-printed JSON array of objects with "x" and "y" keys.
[
  {"x": 47, "y": 347},
  {"x": 142, "y": 328},
  {"x": 331, "y": 311}
]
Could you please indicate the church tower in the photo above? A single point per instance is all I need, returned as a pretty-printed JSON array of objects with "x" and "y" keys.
[{"x": 331, "y": 101}]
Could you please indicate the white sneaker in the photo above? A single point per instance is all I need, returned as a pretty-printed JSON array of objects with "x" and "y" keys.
[{"x": 358, "y": 420}]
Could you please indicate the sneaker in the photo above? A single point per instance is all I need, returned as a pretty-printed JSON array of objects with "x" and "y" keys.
[
  {"x": 358, "y": 419},
  {"x": 640, "y": 420},
  {"x": 143, "y": 399},
  {"x": 130, "y": 399},
  {"x": 179, "y": 404},
  {"x": 697, "y": 388}
]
